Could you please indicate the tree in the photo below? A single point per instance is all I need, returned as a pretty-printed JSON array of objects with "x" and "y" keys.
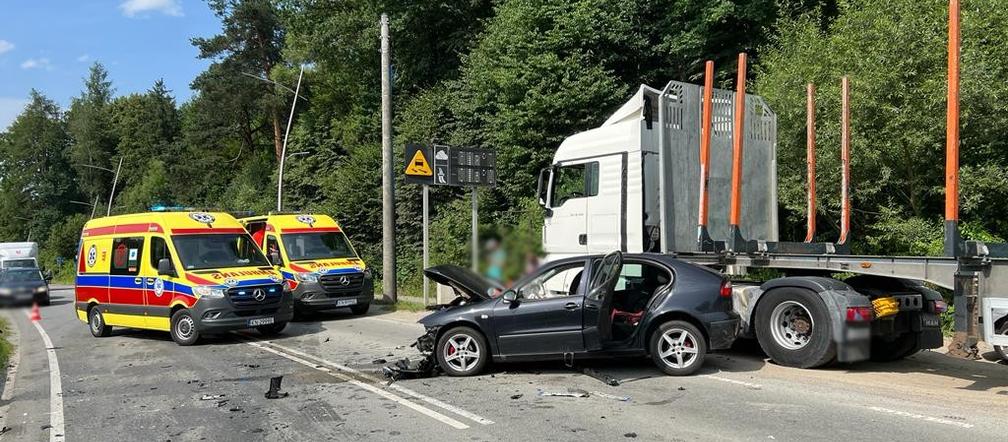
[{"x": 92, "y": 138}]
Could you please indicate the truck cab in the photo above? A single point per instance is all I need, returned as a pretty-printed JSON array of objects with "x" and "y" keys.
[
  {"x": 19, "y": 255},
  {"x": 316, "y": 259}
]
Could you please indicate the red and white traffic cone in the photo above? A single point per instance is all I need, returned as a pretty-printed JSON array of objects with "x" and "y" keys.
[{"x": 35, "y": 315}]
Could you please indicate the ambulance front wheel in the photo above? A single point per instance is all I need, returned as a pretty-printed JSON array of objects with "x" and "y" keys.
[
  {"x": 183, "y": 328},
  {"x": 96, "y": 322}
]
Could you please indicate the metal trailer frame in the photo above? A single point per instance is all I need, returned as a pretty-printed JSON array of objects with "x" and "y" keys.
[{"x": 976, "y": 272}]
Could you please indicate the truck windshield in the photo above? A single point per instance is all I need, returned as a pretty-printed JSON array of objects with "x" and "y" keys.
[
  {"x": 20, "y": 275},
  {"x": 217, "y": 251},
  {"x": 19, "y": 264},
  {"x": 324, "y": 245}
]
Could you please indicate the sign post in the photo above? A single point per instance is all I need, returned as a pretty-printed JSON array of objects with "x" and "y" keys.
[{"x": 439, "y": 165}]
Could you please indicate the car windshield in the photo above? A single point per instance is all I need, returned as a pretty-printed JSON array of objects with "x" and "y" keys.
[
  {"x": 323, "y": 245},
  {"x": 20, "y": 275},
  {"x": 19, "y": 263},
  {"x": 217, "y": 251}
]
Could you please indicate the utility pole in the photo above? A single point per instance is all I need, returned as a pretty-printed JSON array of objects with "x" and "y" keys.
[
  {"x": 283, "y": 151},
  {"x": 388, "y": 184},
  {"x": 112, "y": 193}
]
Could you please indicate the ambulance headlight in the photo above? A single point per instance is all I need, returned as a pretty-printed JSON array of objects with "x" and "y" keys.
[
  {"x": 306, "y": 277},
  {"x": 203, "y": 291}
]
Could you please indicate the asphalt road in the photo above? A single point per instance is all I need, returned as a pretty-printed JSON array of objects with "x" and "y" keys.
[{"x": 141, "y": 386}]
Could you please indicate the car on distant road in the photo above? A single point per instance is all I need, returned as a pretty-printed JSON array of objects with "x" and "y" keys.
[
  {"x": 584, "y": 307},
  {"x": 23, "y": 286}
]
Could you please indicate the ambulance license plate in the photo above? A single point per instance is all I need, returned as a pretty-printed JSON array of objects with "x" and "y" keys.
[
  {"x": 346, "y": 302},
  {"x": 260, "y": 321}
]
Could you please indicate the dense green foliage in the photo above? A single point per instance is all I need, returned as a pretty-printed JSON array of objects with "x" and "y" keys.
[{"x": 517, "y": 76}]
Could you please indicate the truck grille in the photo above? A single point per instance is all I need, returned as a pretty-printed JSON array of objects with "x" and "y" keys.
[
  {"x": 247, "y": 295},
  {"x": 342, "y": 283}
]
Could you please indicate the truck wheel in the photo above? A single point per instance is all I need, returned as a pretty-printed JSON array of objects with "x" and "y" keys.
[
  {"x": 272, "y": 329},
  {"x": 462, "y": 351},
  {"x": 888, "y": 350},
  {"x": 794, "y": 329},
  {"x": 183, "y": 328},
  {"x": 360, "y": 309},
  {"x": 96, "y": 322},
  {"x": 1002, "y": 350},
  {"x": 678, "y": 348}
]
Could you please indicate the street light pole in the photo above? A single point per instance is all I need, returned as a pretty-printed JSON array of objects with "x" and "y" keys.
[
  {"x": 283, "y": 151},
  {"x": 388, "y": 184}
]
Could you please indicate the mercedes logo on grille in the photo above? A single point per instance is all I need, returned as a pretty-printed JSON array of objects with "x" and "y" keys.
[
  {"x": 344, "y": 280},
  {"x": 259, "y": 294}
]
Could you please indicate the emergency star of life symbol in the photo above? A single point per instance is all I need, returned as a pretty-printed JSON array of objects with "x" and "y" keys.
[
  {"x": 306, "y": 219},
  {"x": 158, "y": 286},
  {"x": 230, "y": 282},
  {"x": 92, "y": 256}
]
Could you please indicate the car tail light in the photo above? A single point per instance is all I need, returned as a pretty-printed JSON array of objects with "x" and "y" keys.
[
  {"x": 726, "y": 289},
  {"x": 939, "y": 306},
  {"x": 860, "y": 314}
]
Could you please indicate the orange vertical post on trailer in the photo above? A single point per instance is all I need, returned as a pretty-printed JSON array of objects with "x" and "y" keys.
[
  {"x": 952, "y": 238},
  {"x": 845, "y": 200},
  {"x": 738, "y": 134},
  {"x": 810, "y": 159},
  {"x": 705, "y": 139}
]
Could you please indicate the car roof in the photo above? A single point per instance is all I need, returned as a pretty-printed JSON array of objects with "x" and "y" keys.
[
  {"x": 166, "y": 222},
  {"x": 293, "y": 221}
]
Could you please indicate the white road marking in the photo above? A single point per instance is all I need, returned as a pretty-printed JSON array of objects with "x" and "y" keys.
[
  {"x": 437, "y": 403},
  {"x": 936, "y": 420},
  {"x": 400, "y": 400},
  {"x": 56, "y": 432},
  {"x": 733, "y": 381}
]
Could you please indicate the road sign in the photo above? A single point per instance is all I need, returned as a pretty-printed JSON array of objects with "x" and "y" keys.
[
  {"x": 451, "y": 166},
  {"x": 417, "y": 168}
]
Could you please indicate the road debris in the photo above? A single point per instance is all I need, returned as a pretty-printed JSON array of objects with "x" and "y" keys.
[
  {"x": 379, "y": 361},
  {"x": 611, "y": 396},
  {"x": 516, "y": 396},
  {"x": 630, "y": 435},
  {"x": 274, "y": 389},
  {"x": 406, "y": 368},
  {"x": 210, "y": 397},
  {"x": 571, "y": 392},
  {"x": 605, "y": 378}
]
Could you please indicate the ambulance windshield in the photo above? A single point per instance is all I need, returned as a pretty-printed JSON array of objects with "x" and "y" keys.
[
  {"x": 218, "y": 251},
  {"x": 324, "y": 245}
]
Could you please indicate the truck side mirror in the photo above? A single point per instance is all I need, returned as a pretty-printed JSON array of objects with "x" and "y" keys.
[
  {"x": 274, "y": 257},
  {"x": 542, "y": 186},
  {"x": 165, "y": 267}
]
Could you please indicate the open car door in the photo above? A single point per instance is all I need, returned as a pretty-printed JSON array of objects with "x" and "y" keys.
[{"x": 597, "y": 317}]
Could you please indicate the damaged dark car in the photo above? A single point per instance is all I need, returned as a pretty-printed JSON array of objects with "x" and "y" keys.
[{"x": 585, "y": 307}]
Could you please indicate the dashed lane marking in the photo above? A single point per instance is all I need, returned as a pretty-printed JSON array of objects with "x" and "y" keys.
[
  {"x": 363, "y": 385},
  {"x": 936, "y": 420},
  {"x": 733, "y": 381}
]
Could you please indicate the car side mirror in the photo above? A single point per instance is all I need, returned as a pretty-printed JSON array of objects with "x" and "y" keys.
[
  {"x": 47, "y": 276},
  {"x": 165, "y": 267},
  {"x": 510, "y": 297}
]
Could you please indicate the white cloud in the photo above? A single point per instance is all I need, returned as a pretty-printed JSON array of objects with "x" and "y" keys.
[
  {"x": 83, "y": 58},
  {"x": 5, "y": 46},
  {"x": 10, "y": 108},
  {"x": 133, "y": 8},
  {"x": 36, "y": 63}
]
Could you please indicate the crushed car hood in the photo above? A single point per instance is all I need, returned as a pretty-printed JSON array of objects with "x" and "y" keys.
[{"x": 470, "y": 284}]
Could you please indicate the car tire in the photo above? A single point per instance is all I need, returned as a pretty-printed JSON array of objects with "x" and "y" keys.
[
  {"x": 890, "y": 350},
  {"x": 272, "y": 329},
  {"x": 462, "y": 339},
  {"x": 96, "y": 322},
  {"x": 793, "y": 327},
  {"x": 183, "y": 328},
  {"x": 678, "y": 348},
  {"x": 1000, "y": 349},
  {"x": 360, "y": 309}
]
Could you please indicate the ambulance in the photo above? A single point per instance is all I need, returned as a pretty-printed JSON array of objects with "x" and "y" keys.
[
  {"x": 316, "y": 259},
  {"x": 187, "y": 273}
]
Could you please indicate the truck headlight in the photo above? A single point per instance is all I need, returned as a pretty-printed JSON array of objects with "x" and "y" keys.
[
  {"x": 306, "y": 276},
  {"x": 203, "y": 291}
]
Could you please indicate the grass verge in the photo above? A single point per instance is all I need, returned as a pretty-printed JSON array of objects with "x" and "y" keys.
[{"x": 5, "y": 346}]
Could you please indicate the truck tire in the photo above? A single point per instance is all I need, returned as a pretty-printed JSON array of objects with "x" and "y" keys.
[
  {"x": 183, "y": 328},
  {"x": 889, "y": 350},
  {"x": 793, "y": 327},
  {"x": 1002, "y": 350}
]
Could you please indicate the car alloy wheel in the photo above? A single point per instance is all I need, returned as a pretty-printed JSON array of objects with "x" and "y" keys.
[
  {"x": 791, "y": 325},
  {"x": 461, "y": 352},
  {"x": 678, "y": 348}
]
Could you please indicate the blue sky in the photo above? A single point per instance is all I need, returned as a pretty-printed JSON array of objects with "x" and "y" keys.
[{"x": 50, "y": 44}]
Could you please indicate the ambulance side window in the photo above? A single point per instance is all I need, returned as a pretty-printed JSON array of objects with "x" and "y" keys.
[
  {"x": 273, "y": 248},
  {"x": 126, "y": 254},
  {"x": 159, "y": 250}
]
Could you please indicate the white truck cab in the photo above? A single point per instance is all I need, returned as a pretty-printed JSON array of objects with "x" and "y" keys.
[{"x": 18, "y": 255}]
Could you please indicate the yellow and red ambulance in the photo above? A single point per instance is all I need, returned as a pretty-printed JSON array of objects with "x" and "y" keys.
[
  {"x": 188, "y": 273},
  {"x": 316, "y": 259}
]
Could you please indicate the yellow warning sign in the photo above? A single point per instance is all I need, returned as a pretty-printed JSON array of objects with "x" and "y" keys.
[{"x": 418, "y": 166}]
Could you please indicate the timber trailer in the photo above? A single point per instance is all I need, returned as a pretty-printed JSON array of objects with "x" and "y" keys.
[{"x": 665, "y": 174}]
